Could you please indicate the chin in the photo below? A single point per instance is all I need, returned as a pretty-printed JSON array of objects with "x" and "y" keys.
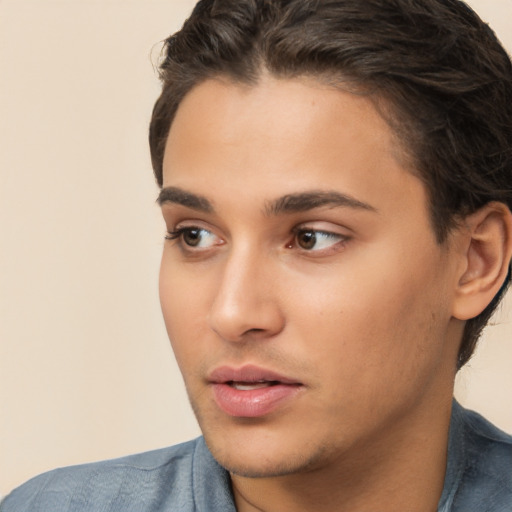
[
  {"x": 262, "y": 447},
  {"x": 256, "y": 458},
  {"x": 263, "y": 468}
]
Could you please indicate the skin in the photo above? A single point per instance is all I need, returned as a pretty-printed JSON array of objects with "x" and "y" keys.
[{"x": 362, "y": 318}]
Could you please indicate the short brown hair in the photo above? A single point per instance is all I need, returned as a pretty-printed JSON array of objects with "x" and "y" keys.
[{"x": 444, "y": 76}]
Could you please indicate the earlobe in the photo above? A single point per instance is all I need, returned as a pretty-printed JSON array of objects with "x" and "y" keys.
[{"x": 488, "y": 234}]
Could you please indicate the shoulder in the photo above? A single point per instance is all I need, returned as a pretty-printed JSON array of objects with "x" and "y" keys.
[
  {"x": 148, "y": 481},
  {"x": 486, "y": 479}
]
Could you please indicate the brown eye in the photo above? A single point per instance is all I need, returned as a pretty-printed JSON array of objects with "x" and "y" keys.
[
  {"x": 306, "y": 239},
  {"x": 192, "y": 236},
  {"x": 316, "y": 240},
  {"x": 196, "y": 237}
]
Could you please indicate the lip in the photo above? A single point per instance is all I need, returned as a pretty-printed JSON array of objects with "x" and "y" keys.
[
  {"x": 247, "y": 373},
  {"x": 251, "y": 403}
]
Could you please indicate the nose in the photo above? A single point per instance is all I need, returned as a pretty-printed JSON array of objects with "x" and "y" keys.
[{"x": 246, "y": 304}]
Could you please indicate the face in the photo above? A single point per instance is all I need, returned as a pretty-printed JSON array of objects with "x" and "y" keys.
[{"x": 306, "y": 298}]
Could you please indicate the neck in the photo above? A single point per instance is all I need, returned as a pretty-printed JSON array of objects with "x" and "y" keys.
[{"x": 403, "y": 470}]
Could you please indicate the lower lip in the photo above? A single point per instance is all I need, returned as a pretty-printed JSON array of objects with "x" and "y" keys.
[{"x": 253, "y": 403}]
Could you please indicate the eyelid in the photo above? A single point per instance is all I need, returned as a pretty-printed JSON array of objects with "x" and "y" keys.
[
  {"x": 324, "y": 227},
  {"x": 177, "y": 225},
  {"x": 178, "y": 234},
  {"x": 339, "y": 239}
]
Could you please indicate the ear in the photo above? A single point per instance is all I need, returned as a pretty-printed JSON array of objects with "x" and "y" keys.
[{"x": 487, "y": 235}]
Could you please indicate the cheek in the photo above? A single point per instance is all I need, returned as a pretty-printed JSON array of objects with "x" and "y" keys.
[
  {"x": 375, "y": 323},
  {"x": 182, "y": 301}
]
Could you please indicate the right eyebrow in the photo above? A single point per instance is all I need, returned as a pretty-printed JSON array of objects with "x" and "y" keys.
[{"x": 182, "y": 197}]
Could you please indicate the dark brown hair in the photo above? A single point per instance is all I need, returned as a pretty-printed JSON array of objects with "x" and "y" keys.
[{"x": 436, "y": 72}]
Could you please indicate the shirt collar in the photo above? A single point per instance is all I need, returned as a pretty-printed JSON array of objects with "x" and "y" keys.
[{"x": 455, "y": 464}]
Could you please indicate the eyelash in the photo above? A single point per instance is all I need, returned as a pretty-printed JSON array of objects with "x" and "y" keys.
[
  {"x": 337, "y": 238},
  {"x": 179, "y": 233},
  {"x": 173, "y": 235}
]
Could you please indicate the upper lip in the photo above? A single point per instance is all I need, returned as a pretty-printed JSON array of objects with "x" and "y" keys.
[{"x": 247, "y": 373}]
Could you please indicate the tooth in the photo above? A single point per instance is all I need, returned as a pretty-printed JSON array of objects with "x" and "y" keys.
[{"x": 246, "y": 386}]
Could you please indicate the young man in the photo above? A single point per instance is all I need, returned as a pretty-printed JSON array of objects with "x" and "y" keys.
[{"x": 336, "y": 182}]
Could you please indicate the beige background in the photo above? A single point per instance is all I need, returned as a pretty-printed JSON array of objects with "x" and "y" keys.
[{"x": 86, "y": 371}]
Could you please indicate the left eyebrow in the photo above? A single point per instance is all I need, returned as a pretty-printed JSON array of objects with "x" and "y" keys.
[{"x": 304, "y": 201}]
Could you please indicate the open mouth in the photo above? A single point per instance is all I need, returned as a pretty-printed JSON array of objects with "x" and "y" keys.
[
  {"x": 248, "y": 376},
  {"x": 251, "y": 391},
  {"x": 250, "y": 386}
]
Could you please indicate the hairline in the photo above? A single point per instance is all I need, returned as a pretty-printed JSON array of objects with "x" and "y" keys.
[{"x": 340, "y": 81}]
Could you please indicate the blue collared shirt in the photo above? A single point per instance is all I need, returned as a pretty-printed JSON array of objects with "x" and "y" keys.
[
  {"x": 479, "y": 469},
  {"x": 186, "y": 478}
]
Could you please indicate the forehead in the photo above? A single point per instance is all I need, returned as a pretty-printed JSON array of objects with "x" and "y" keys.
[
  {"x": 284, "y": 136},
  {"x": 278, "y": 108}
]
